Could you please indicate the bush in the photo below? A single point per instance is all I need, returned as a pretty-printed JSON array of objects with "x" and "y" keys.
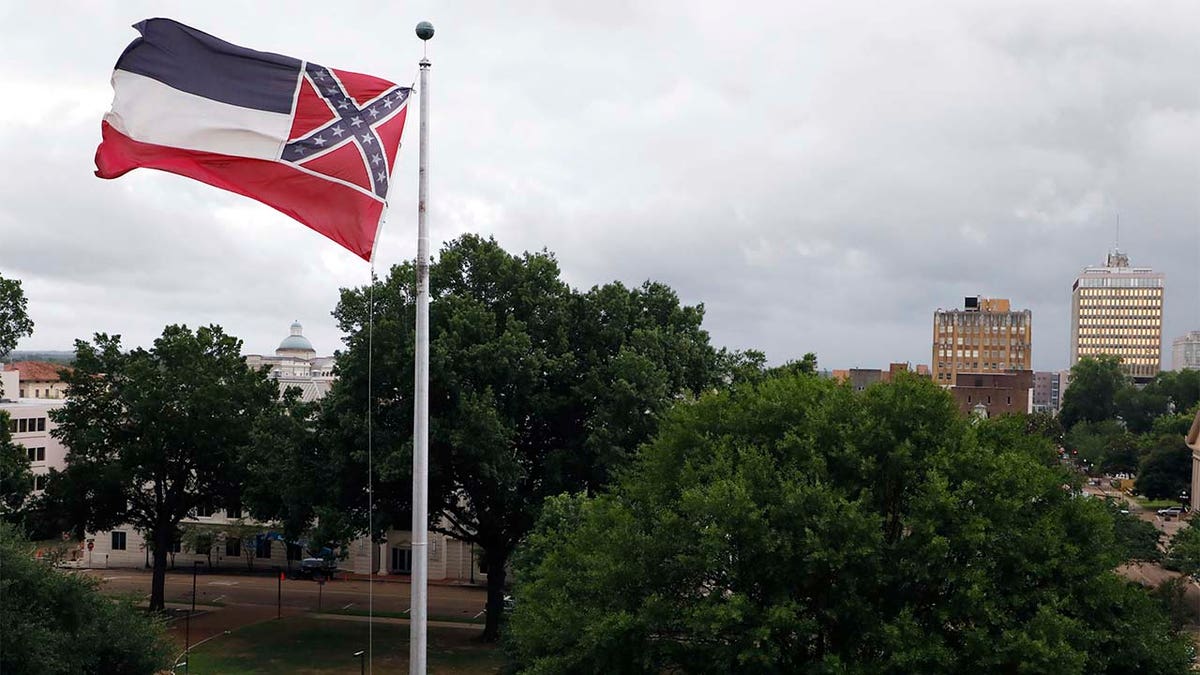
[{"x": 55, "y": 622}]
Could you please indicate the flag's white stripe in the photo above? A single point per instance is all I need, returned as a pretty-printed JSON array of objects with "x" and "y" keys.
[{"x": 149, "y": 111}]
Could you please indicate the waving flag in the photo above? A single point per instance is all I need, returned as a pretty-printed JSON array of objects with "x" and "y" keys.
[{"x": 313, "y": 142}]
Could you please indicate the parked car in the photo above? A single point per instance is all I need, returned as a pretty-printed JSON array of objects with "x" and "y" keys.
[
  {"x": 316, "y": 568},
  {"x": 1170, "y": 511}
]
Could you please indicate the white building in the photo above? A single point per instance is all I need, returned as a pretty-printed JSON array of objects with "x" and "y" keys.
[
  {"x": 296, "y": 364},
  {"x": 1185, "y": 351},
  {"x": 30, "y": 425}
]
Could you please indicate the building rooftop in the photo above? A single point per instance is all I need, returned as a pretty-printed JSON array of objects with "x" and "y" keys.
[
  {"x": 296, "y": 341},
  {"x": 37, "y": 371}
]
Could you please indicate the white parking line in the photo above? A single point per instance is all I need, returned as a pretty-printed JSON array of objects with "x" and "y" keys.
[
  {"x": 222, "y": 583},
  {"x": 112, "y": 578}
]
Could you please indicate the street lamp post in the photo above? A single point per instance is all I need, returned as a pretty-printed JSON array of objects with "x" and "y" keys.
[
  {"x": 362, "y": 660},
  {"x": 187, "y": 622}
]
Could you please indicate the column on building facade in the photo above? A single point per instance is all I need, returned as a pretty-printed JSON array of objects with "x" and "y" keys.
[{"x": 384, "y": 559}]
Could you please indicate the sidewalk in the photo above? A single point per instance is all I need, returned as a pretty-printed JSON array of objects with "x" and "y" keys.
[{"x": 403, "y": 579}]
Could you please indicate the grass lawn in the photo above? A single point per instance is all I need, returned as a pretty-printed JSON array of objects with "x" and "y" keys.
[
  {"x": 1155, "y": 504},
  {"x": 315, "y": 646}
]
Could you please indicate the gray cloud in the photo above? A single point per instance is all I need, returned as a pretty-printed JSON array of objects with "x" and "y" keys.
[{"x": 822, "y": 176}]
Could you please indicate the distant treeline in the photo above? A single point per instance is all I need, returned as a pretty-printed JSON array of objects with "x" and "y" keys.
[{"x": 56, "y": 356}]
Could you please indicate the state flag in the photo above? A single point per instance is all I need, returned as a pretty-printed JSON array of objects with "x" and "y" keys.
[{"x": 316, "y": 143}]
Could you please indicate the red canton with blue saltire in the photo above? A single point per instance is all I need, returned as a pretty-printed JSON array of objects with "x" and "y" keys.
[{"x": 316, "y": 143}]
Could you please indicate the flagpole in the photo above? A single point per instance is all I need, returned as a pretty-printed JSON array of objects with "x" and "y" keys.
[{"x": 420, "y": 503}]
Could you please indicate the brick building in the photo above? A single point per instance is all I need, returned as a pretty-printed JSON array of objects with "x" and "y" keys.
[{"x": 991, "y": 394}]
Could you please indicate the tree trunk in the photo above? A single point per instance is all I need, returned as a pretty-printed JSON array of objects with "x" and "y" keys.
[
  {"x": 159, "y": 578},
  {"x": 495, "y": 596}
]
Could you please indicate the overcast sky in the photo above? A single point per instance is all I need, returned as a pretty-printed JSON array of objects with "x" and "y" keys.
[{"x": 822, "y": 176}]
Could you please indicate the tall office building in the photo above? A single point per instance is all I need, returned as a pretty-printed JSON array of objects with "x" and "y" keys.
[
  {"x": 1117, "y": 309},
  {"x": 985, "y": 336},
  {"x": 1185, "y": 351}
]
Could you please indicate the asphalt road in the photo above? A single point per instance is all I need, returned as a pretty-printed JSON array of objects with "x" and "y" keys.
[{"x": 238, "y": 590}]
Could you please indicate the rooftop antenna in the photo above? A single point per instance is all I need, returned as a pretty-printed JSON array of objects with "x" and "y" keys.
[{"x": 1118, "y": 244}]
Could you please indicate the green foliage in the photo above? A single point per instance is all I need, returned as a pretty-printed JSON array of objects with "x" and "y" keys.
[
  {"x": 795, "y": 526},
  {"x": 1136, "y": 538},
  {"x": 1166, "y": 469},
  {"x": 247, "y": 534},
  {"x": 1104, "y": 445},
  {"x": 1176, "y": 424},
  {"x": 1046, "y": 425},
  {"x": 1091, "y": 396},
  {"x": 284, "y": 466},
  {"x": 155, "y": 433},
  {"x": 201, "y": 539},
  {"x": 16, "y": 480},
  {"x": 1172, "y": 593},
  {"x": 1184, "y": 552},
  {"x": 1138, "y": 408},
  {"x": 535, "y": 389},
  {"x": 14, "y": 320},
  {"x": 53, "y": 622}
]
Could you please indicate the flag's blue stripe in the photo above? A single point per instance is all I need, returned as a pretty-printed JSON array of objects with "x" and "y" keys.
[{"x": 200, "y": 64}]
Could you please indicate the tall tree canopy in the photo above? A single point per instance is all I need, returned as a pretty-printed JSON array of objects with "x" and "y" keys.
[
  {"x": 154, "y": 433},
  {"x": 14, "y": 320},
  {"x": 796, "y": 526},
  {"x": 1092, "y": 393},
  {"x": 53, "y": 622},
  {"x": 535, "y": 389},
  {"x": 1166, "y": 469}
]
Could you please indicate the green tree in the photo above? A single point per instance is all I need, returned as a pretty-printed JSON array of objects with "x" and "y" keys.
[
  {"x": 155, "y": 433},
  {"x": 799, "y": 527},
  {"x": 14, "y": 321},
  {"x": 1139, "y": 408},
  {"x": 535, "y": 389},
  {"x": 1180, "y": 387},
  {"x": 1184, "y": 552},
  {"x": 284, "y": 466},
  {"x": 16, "y": 480},
  {"x": 53, "y": 622},
  {"x": 201, "y": 538},
  {"x": 1137, "y": 538},
  {"x": 1092, "y": 394},
  {"x": 1091, "y": 442},
  {"x": 1046, "y": 425},
  {"x": 1166, "y": 469}
]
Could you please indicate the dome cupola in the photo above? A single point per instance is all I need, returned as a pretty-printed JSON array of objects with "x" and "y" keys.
[{"x": 296, "y": 344}]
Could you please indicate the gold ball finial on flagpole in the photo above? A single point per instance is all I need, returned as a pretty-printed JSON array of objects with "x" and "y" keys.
[{"x": 425, "y": 30}]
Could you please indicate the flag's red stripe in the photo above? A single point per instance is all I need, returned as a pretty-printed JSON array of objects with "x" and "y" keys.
[{"x": 342, "y": 214}]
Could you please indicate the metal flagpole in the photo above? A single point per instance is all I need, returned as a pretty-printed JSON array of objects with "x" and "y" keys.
[{"x": 420, "y": 504}]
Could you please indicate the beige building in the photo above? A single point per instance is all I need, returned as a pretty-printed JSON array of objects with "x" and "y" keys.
[
  {"x": 985, "y": 336},
  {"x": 1117, "y": 309}
]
